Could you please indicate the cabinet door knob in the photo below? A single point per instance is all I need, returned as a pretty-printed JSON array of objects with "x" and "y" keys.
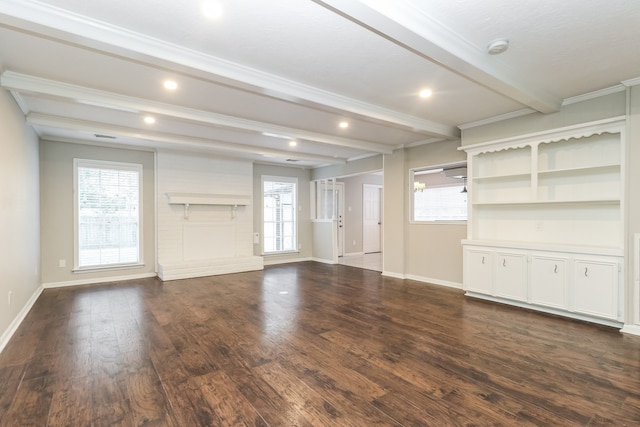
[
  {"x": 504, "y": 262},
  {"x": 586, "y": 269},
  {"x": 555, "y": 269},
  {"x": 483, "y": 260}
]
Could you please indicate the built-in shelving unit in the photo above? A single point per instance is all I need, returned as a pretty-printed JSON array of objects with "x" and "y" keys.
[
  {"x": 551, "y": 201},
  {"x": 187, "y": 199}
]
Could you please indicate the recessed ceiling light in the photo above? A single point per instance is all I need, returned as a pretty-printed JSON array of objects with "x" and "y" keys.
[
  {"x": 496, "y": 47},
  {"x": 149, "y": 120},
  {"x": 293, "y": 143},
  {"x": 344, "y": 125},
  {"x": 426, "y": 93},
  {"x": 170, "y": 85},
  {"x": 212, "y": 9}
]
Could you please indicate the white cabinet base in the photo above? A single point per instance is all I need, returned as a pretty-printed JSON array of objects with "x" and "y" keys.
[
  {"x": 585, "y": 286},
  {"x": 550, "y": 310}
]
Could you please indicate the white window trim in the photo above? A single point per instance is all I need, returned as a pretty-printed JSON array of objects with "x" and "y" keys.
[
  {"x": 296, "y": 211},
  {"x": 106, "y": 164}
]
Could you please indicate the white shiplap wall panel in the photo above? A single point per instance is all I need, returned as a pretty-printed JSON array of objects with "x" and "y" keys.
[{"x": 185, "y": 173}]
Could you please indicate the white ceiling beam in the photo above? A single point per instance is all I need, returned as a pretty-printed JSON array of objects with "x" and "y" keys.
[
  {"x": 411, "y": 28},
  {"x": 83, "y": 31},
  {"x": 39, "y": 86},
  {"x": 176, "y": 141}
]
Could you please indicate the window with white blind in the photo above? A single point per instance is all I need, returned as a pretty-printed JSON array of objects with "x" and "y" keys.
[
  {"x": 439, "y": 194},
  {"x": 108, "y": 224},
  {"x": 279, "y": 230}
]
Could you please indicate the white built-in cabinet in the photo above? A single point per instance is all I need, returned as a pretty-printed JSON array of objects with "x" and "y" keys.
[{"x": 546, "y": 221}]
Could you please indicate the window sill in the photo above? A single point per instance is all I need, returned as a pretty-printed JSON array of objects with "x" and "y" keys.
[{"x": 106, "y": 268}]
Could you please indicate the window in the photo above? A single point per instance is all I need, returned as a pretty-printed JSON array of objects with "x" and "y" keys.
[
  {"x": 279, "y": 214},
  {"x": 107, "y": 213},
  {"x": 326, "y": 191},
  {"x": 439, "y": 194}
]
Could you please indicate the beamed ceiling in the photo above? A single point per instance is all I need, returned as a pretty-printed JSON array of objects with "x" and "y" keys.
[{"x": 265, "y": 73}]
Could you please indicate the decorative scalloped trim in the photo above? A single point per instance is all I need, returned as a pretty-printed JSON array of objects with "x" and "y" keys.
[{"x": 612, "y": 125}]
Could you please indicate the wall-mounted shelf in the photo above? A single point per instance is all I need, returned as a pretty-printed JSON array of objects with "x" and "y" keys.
[{"x": 187, "y": 199}]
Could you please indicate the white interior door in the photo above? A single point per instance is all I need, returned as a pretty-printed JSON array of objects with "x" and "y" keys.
[{"x": 371, "y": 218}]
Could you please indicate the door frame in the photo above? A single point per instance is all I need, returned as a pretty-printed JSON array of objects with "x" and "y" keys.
[{"x": 381, "y": 204}]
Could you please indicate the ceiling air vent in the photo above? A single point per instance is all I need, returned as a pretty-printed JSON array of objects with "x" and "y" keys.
[{"x": 100, "y": 135}]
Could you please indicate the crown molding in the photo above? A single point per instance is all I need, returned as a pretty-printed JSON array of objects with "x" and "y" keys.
[
  {"x": 495, "y": 119},
  {"x": 631, "y": 82},
  {"x": 594, "y": 94},
  {"x": 101, "y": 36},
  {"x": 24, "y": 106},
  {"x": 422, "y": 142},
  {"x": 167, "y": 140},
  {"x": 36, "y": 85}
]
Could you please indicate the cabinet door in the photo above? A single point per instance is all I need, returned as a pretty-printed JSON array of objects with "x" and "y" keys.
[
  {"x": 511, "y": 276},
  {"x": 477, "y": 270},
  {"x": 549, "y": 281},
  {"x": 595, "y": 288}
]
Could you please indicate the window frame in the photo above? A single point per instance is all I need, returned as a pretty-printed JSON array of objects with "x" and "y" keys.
[
  {"x": 411, "y": 180},
  {"x": 288, "y": 180},
  {"x": 112, "y": 165}
]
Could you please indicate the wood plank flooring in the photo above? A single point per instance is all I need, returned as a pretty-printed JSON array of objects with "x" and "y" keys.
[{"x": 309, "y": 344}]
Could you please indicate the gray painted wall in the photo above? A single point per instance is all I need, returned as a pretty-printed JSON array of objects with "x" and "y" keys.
[
  {"x": 56, "y": 172},
  {"x": 19, "y": 214}
]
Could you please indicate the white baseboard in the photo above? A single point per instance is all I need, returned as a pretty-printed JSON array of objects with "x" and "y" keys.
[
  {"x": 285, "y": 260},
  {"x": 562, "y": 313},
  {"x": 13, "y": 327},
  {"x": 97, "y": 280},
  {"x": 209, "y": 267},
  {"x": 434, "y": 281},
  {"x": 631, "y": 329},
  {"x": 394, "y": 275},
  {"x": 353, "y": 254},
  {"x": 324, "y": 261}
]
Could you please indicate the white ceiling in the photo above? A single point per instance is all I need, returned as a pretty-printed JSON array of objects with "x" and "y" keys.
[{"x": 296, "y": 68}]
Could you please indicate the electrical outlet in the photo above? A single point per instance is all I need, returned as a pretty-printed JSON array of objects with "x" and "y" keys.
[
  {"x": 62, "y": 263},
  {"x": 354, "y": 243},
  {"x": 256, "y": 238},
  {"x": 9, "y": 297}
]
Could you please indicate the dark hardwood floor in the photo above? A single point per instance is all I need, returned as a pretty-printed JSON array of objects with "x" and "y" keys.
[{"x": 308, "y": 345}]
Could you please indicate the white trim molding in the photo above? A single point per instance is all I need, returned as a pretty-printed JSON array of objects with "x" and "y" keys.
[
  {"x": 97, "y": 281},
  {"x": 210, "y": 267},
  {"x": 13, "y": 326},
  {"x": 431, "y": 281}
]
